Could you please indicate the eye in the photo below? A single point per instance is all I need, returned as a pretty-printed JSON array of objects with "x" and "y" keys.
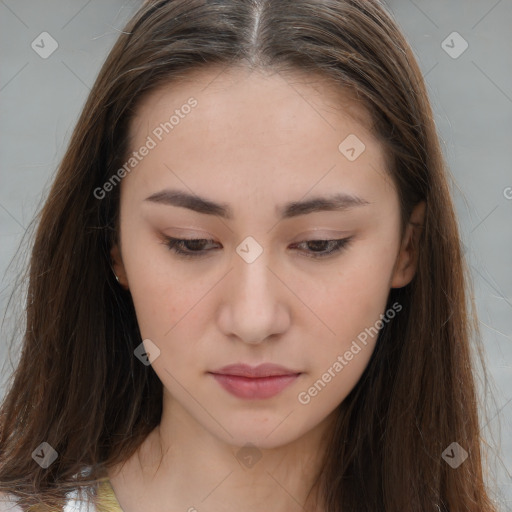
[
  {"x": 324, "y": 248},
  {"x": 195, "y": 247}
]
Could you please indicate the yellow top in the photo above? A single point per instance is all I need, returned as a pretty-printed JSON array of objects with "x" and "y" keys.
[{"x": 106, "y": 500}]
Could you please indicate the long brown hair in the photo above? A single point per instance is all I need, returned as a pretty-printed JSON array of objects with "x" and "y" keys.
[{"x": 78, "y": 386}]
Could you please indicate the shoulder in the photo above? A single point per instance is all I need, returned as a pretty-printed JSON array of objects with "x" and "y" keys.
[
  {"x": 75, "y": 501},
  {"x": 8, "y": 503}
]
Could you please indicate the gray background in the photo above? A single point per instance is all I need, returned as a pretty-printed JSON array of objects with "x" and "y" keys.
[{"x": 40, "y": 100}]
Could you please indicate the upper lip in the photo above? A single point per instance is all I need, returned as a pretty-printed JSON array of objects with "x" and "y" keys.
[{"x": 262, "y": 370}]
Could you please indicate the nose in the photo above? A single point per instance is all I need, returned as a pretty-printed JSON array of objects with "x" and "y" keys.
[{"x": 255, "y": 303}]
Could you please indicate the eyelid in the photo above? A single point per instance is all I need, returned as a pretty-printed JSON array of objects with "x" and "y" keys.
[
  {"x": 189, "y": 233},
  {"x": 340, "y": 244},
  {"x": 321, "y": 234}
]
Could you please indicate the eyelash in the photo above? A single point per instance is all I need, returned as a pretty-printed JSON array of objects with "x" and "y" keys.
[{"x": 173, "y": 245}]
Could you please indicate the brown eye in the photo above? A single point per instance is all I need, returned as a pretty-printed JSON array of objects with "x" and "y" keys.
[
  {"x": 324, "y": 248},
  {"x": 195, "y": 247},
  {"x": 188, "y": 247}
]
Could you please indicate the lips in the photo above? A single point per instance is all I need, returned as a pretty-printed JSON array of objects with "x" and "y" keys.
[
  {"x": 256, "y": 383},
  {"x": 262, "y": 370}
]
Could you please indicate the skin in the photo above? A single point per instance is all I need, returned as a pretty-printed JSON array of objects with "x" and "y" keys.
[{"x": 255, "y": 141}]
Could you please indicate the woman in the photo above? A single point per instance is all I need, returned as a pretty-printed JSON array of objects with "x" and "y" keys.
[{"x": 247, "y": 285}]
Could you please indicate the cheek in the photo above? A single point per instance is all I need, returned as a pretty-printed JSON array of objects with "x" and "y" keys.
[
  {"x": 350, "y": 306},
  {"x": 167, "y": 314},
  {"x": 159, "y": 297},
  {"x": 164, "y": 304},
  {"x": 352, "y": 293}
]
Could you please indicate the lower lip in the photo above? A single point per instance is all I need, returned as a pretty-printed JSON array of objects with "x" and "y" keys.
[{"x": 254, "y": 388}]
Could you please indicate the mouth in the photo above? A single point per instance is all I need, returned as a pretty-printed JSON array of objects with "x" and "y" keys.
[{"x": 255, "y": 383}]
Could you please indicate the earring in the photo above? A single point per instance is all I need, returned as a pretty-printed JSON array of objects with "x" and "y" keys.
[{"x": 113, "y": 271}]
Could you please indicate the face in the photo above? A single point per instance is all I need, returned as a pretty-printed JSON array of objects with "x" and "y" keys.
[{"x": 271, "y": 276}]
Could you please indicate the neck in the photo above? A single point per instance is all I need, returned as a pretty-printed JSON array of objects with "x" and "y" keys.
[{"x": 185, "y": 465}]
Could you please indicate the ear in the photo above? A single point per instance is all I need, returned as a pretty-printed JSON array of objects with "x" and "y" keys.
[
  {"x": 118, "y": 266},
  {"x": 407, "y": 259}
]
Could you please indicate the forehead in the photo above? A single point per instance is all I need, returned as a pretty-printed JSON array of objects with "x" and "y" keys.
[
  {"x": 255, "y": 130},
  {"x": 216, "y": 88}
]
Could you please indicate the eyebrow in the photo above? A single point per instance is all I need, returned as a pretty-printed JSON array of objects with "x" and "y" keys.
[{"x": 335, "y": 202}]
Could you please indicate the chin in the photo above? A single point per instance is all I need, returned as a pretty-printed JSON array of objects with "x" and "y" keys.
[{"x": 265, "y": 432}]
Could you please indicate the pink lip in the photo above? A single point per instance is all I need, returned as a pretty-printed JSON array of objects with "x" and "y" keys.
[{"x": 263, "y": 381}]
